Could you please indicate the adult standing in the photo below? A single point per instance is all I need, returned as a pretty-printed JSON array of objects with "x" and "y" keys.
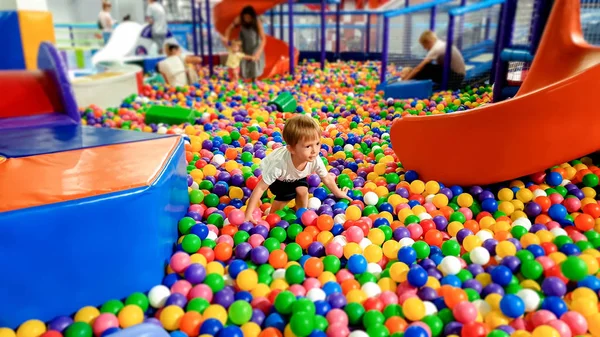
[
  {"x": 105, "y": 20},
  {"x": 156, "y": 16},
  {"x": 253, "y": 40}
]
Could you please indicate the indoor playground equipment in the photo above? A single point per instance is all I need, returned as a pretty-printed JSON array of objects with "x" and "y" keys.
[
  {"x": 500, "y": 133},
  {"x": 109, "y": 200}
]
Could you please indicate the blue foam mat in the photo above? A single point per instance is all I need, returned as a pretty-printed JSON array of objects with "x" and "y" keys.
[
  {"x": 87, "y": 251},
  {"x": 33, "y": 141}
]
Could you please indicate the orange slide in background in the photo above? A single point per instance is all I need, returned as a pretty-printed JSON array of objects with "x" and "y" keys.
[
  {"x": 277, "y": 52},
  {"x": 540, "y": 127}
]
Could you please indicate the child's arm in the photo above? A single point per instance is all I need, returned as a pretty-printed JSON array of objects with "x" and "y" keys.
[
  {"x": 248, "y": 57},
  {"x": 418, "y": 68},
  {"x": 193, "y": 59},
  {"x": 342, "y": 193},
  {"x": 259, "y": 190}
]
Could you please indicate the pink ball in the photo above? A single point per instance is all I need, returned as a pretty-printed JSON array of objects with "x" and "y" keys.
[
  {"x": 422, "y": 325},
  {"x": 225, "y": 239},
  {"x": 429, "y": 207},
  {"x": 367, "y": 220},
  {"x": 576, "y": 322},
  {"x": 383, "y": 262},
  {"x": 404, "y": 296},
  {"x": 202, "y": 291},
  {"x": 572, "y": 204},
  {"x": 556, "y": 198},
  {"x": 309, "y": 218},
  {"x": 518, "y": 324},
  {"x": 415, "y": 231},
  {"x": 338, "y": 330},
  {"x": 236, "y": 217},
  {"x": 337, "y": 316},
  {"x": 465, "y": 312},
  {"x": 401, "y": 207},
  {"x": 311, "y": 283},
  {"x": 545, "y": 261},
  {"x": 180, "y": 261},
  {"x": 406, "y": 288},
  {"x": 256, "y": 240},
  {"x": 213, "y": 229},
  {"x": 577, "y": 236},
  {"x": 257, "y": 214},
  {"x": 388, "y": 297},
  {"x": 343, "y": 275},
  {"x": 542, "y": 317},
  {"x": 334, "y": 248},
  {"x": 210, "y": 211},
  {"x": 553, "y": 224},
  {"x": 103, "y": 322},
  {"x": 354, "y": 234},
  {"x": 182, "y": 287},
  {"x": 197, "y": 208},
  {"x": 297, "y": 290},
  {"x": 563, "y": 329},
  {"x": 466, "y": 212}
]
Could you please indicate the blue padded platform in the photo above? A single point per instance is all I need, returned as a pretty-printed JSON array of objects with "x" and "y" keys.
[
  {"x": 87, "y": 251},
  {"x": 142, "y": 330},
  {"x": 408, "y": 89},
  {"x": 32, "y": 141}
]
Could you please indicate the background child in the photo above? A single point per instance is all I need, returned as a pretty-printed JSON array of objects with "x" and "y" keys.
[
  {"x": 436, "y": 51},
  {"x": 157, "y": 17},
  {"x": 176, "y": 68},
  {"x": 234, "y": 59},
  {"x": 405, "y": 72},
  {"x": 284, "y": 170}
]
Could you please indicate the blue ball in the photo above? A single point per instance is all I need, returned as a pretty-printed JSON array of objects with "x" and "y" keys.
[
  {"x": 332, "y": 287},
  {"x": 274, "y": 320},
  {"x": 557, "y": 212},
  {"x": 415, "y": 331},
  {"x": 407, "y": 255},
  {"x": 570, "y": 249},
  {"x": 554, "y": 179},
  {"x": 317, "y": 333},
  {"x": 357, "y": 264},
  {"x": 489, "y": 205},
  {"x": 380, "y": 222},
  {"x": 411, "y": 175},
  {"x": 322, "y": 307},
  {"x": 178, "y": 333},
  {"x": 512, "y": 306},
  {"x": 555, "y": 304},
  {"x": 320, "y": 193},
  {"x": 231, "y": 331},
  {"x": 109, "y": 331},
  {"x": 417, "y": 276},
  {"x": 501, "y": 275},
  {"x": 591, "y": 282},
  {"x": 451, "y": 280},
  {"x": 243, "y": 296},
  {"x": 236, "y": 267},
  {"x": 170, "y": 279},
  {"x": 536, "y": 250},
  {"x": 211, "y": 327}
]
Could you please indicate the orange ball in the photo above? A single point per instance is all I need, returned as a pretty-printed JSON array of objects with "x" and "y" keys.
[
  {"x": 223, "y": 251},
  {"x": 584, "y": 222},
  {"x": 350, "y": 284},
  {"x": 452, "y": 298},
  {"x": 304, "y": 239},
  {"x": 190, "y": 323},
  {"x": 278, "y": 259},
  {"x": 270, "y": 332},
  {"x": 313, "y": 267},
  {"x": 395, "y": 324},
  {"x": 324, "y": 222}
]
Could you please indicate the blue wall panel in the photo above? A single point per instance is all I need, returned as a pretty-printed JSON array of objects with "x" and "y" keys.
[{"x": 11, "y": 56}]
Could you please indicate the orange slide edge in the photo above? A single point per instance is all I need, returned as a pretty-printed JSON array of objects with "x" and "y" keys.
[{"x": 521, "y": 136}]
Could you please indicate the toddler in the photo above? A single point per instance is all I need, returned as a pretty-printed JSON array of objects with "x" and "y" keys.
[
  {"x": 234, "y": 59},
  {"x": 284, "y": 170},
  {"x": 405, "y": 72},
  {"x": 177, "y": 69}
]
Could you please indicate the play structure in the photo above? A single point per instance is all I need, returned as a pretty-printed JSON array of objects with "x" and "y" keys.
[
  {"x": 109, "y": 200},
  {"x": 500, "y": 133}
]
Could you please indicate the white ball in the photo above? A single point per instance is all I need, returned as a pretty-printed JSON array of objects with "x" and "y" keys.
[
  {"x": 316, "y": 294},
  {"x": 218, "y": 159},
  {"x": 524, "y": 222},
  {"x": 161, "y": 130},
  {"x": 482, "y": 306},
  {"x": 539, "y": 193},
  {"x": 429, "y": 198},
  {"x": 339, "y": 219},
  {"x": 341, "y": 240},
  {"x": 430, "y": 308},
  {"x": 229, "y": 281},
  {"x": 406, "y": 242},
  {"x": 480, "y": 255},
  {"x": 530, "y": 298},
  {"x": 317, "y": 85},
  {"x": 371, "y": 198},
  {"x": 348, "y": 147},
  {"x": 565, "y": 182},
  {"x": 212, "y": 235},
  {"x": 351, "y": 94},
  {"x": 374, "y": 269},
  {"x": 158, "y": 296},
  {"x": 205, "y": 115},
  {"x": 358, "y": 333},
  {"x": 371, "y": 289},
  {"x": 270, "y": 144},
  {"x": 484, "y": 235},
  {"x": 178, "y": 131},
  {"x": 278, "y": 274},
  {"x": 424, "y": 216},
  {"x": 364, "y": 243},
  {"x": 195, "y": 186},
  {"x": 559, "y": 232},
  {"x": 450, "y": 265},
  {"x": 314, "y": 203}
]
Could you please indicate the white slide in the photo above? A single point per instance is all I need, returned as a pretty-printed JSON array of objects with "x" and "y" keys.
[{"x": 122, "y": 43}]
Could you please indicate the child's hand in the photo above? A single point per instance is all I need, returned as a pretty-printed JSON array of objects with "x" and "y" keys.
[
  {"x": 250, "y": 218},
  {"x": 343, "y": 194}
]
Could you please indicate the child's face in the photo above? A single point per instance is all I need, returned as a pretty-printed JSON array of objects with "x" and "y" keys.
[
  {"x": 307, "y": 149},
  {"x": 427, "y": 44},
  {"x": 235, "y": 47}
]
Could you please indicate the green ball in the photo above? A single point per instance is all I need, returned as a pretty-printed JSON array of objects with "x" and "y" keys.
[
  {"x": 240, "y": 237},
  {"x": 524, "y": 255},
  {"x": 355, "y": 311},
  {"x": 411, "y": 219},
  {"x": 294, "y": 274},
  {"x": 331, "y": 263},
  {"x": 434, "y": 323},
  {"x": 138, "y": 299},
  {"x": 532, "y": 269},
  {"x": 304, "y": 305},
  {"x": 209, "y": 243},
  {"x": 196, "y": 197},
  {"x": 284, "y": 302},
  {"x": 574, "y": 268},
  {"x": 211, "y": 200},
  {"x": 293, "y": 251},
  {"x": 518, "y": 232},
  {"x": 197, "y": 304},
  {"x": 79, "y": 329},
  {"x": 451, "y": 248},
  {"x": 302, "y": 324},
  {"x": 272, "y": 244},
  {"x": 112, "y": 307},
  {"x": 378, "y": 330},
  {"x": 246, "y": 157},
  {"x": 422, "y": 249},
  {"x": 321, "y": 323},
  {"x": 392, "y": 310},
  {"x": 278, "y": 233},
  {"x": 216, "y": 220},
  {"x": 293, "y": 231},
  {"x": 498, "y": 333},
  {"x": 457, "y": 216},
  {"x": 240, "y": 312},
  {"x": 191, "y": 243},
  {"x": 215, "y": 282},
  {"x": 446, "y": 315},
  {"x": 373, "y": 317},
  {"x": 185, "y": 224},
  {"x": 590, "y": 180},
  {"x": 206, "y": 185}
]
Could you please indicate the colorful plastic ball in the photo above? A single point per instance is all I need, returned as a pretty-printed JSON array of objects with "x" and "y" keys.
[
  {"x": 211, "y": 327},
  {"x": 512, "y": 306},
  {"x": 104, "y": 321},
  {"x": 31, "y": 328},
  {"x": 574, "y": 268},
  {"x": 170, "y": 317},
  {"x": 465, "y": 312},
  {"x": 417, "y": 276},
  {"x": 240, "y": 312},
  {"x": 357, "y": 264},
  {"x": 130, "y": 315},
  {"x": 302, "y": 323},
  {"x": 6, "y": 332},
  {"x": 79, "y": 329}
]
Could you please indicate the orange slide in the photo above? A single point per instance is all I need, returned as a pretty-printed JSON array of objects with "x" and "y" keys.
[
  {"x": 540, "y": 127},
  {"x": 277, "y": 52}
]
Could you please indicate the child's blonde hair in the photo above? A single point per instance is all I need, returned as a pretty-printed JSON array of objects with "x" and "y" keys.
[
  {"x": 236, "y": 42},
  {"x": 301, "y": 127},
  {"x": 427, "y": 36}
]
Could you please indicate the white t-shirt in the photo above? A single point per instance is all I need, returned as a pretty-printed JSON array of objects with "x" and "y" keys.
[
  {"x": 159, "y": 18},
  {"x": 106, "y": 21},
  {"x": 173, "y": 67},
  {"x": 278, "y": 165},
  {"x": 437, "y": 52}
]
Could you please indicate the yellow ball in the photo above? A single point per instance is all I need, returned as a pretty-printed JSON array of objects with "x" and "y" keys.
[
  {"x": 261, "y": 290},
  {"x": 417, "y": 187},
  {"x": 557, "y": 257},
  {"x": 197, "y": 175},
  {"x": 390, "y": 249},
  {"x": 352, "y": 248},
  {"x": 505, "y": 194},
  {"x": 484, "y": 279},
  {"x": 545, "y": 236},
  {"x": 130, "y": 315},
  {"x": 432, "y": 187},
  {"x": 584, "y": 306},
  {"x": 353, "y": 213},
  {"x": 31, "y": 328},
  {"x": 413, "y": 309},
  {"x": 250, "y": 329},
  {"x": 471, "y": 242},
  {"x": 327, "y": 276},
  {"x": 545, "y": 331},
  {"x": 198, "y": 258},
  {"x": 506, "y": 207},
  {"x": 505, "y": 248},
  {"x": 373, "y": 253},
  {"x": 247, "y": 280},
  {"x": 594, "y": 324},
  {"x": 217, "y": 312},
  {"x": 356, "y": 296},
  {"x": 377, "y": 236},
  {"x": 591, "y": 262},
  {"x": 465, "y": 200},
  {"x": 324, "y": 237},
  {"x": 6, "y": 332},
  {"x": 584, "y": 293},
  {"x": 279, "y": 284},
  {"x": 215, "y": 267},
  {"x": 386, "y": 284},
  {"x": 87, "y": 314},
  {"x": 209, "y": 170},
  {"x": 440, "y": 200},
  {"x": 454, "y": 227},
  {"x": 529, "y": 239},
  {"x": 521, "y": 333},
  {"x": 398, "y": 271},
  {"x": 170, "y": 317},
  {"x": 524, "y": 195}
]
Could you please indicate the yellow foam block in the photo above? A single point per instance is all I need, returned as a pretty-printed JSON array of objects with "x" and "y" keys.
[{"x": 36, "y": 27}]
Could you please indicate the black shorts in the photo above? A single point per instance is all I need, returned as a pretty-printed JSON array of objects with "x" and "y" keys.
[{"x": 286, "y": 190}]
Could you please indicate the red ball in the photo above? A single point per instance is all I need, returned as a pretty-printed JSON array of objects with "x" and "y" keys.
[
  {"x": 272, "y": 219},
  {"x": 474, "y": 329},
  {"x": 373, "y": 303},
  {"x": 427, "y": 225},
  {"x": 252, "y": 182},
  {"x": 208, "y": 253},
  {"x": 549, "y": 248},
  {"x": 592, "y": 209},
  {"x": 51, "y": 333}
]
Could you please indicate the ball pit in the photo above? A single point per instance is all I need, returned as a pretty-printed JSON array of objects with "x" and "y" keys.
[{"x": 405, "y": 257}]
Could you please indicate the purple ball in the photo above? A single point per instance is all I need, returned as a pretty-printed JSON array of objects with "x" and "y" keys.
[
  {"x": 427, "y": 294},
  {"x": 154, "y": 321},
  {"x": 475, "y": 190},
  {"x": 485, "y": 195},
  {"x": 473, "y": 284},
  {"x": 536, "y": 228},
  {"x": 194, "y": 215},
  {"x": 60, "y": 323},
  {"x": 246, "y": 226},
  {"x": 433, "y": 272},
  {"x": 427, "y": 263},
  {"x": 462, "y": 234},
  {"x": 400, "y": 233},
  {"x": 259, "y": 255},
  {"x": 492, "y": 288},
  {"x": 325, "y": 209},
  {"x": 440, "y": 222},
  {"x": 453, "y": 328},
  {"x": 223, "y": 298},
  {"x": 220, "y": 189},
  {"x": 176, "y": 299},
  {"x": 506, "y": 328},
  {"x": 512, "y": 262},
  {"x": 337, "y": 300},
  {"x": 195, "y": 273},
  {"x": 313, "y": 180},
  {"x": 553, "y": 286},
  {"x": 207, "y": 144},
  {"x": 224, "y": 176},
  {"x": 316, "y": 249},
  {"x": 242, "y": 251},
  {"x": 447, "y": 192},
  {"x": 283, "y": 224},
  {"x": 403, "y": 192},
  {"x": 490, "y": 245},
  {"x": 190, "y": 180},
  {"x": 533, "y": 209},
  {"x": 475, "y": 269},
  {"x": 237, "y": 180},
  {"x": 258, "y": 316}
]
